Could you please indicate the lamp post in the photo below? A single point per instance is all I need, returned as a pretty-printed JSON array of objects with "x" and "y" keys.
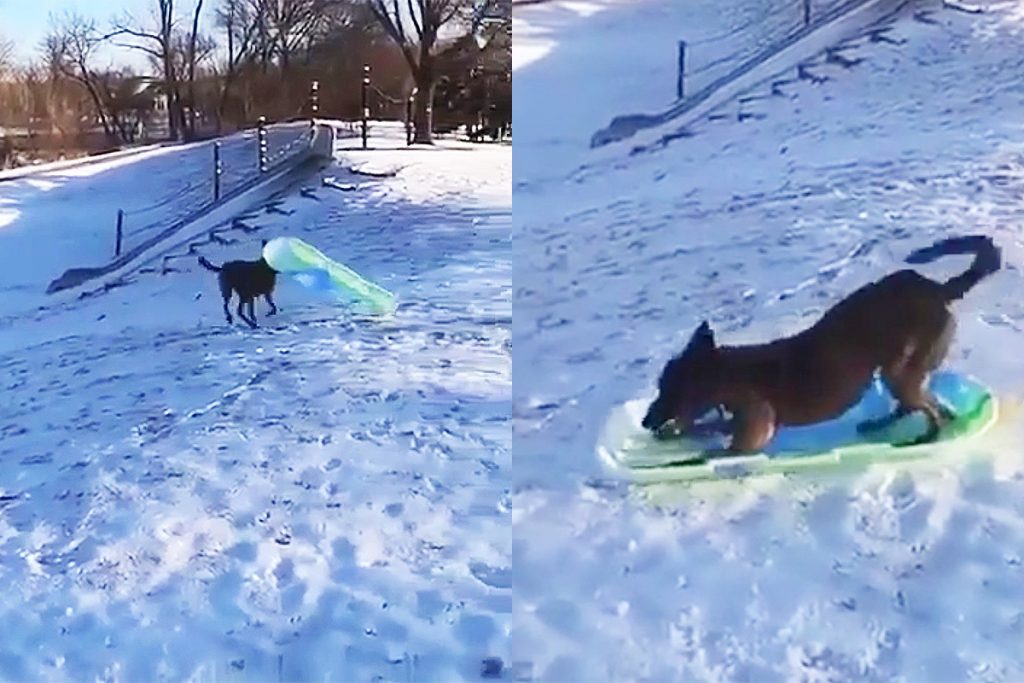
[
  {"x": 366, "y": 108},
  {"x": 261, "y": 136}
]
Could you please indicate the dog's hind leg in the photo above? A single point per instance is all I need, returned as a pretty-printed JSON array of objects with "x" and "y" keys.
[
  {"x": 252, "y": 310},
  {"x": 907, "y": 378},
  {"x": 241, "y": 313},
  {"x": 225, "y": 291},
  {"x": 909, "y": 389},
  {"x": 273, "y": 306}
]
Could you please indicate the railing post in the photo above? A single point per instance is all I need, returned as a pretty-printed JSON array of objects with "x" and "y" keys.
[
  {"x": 408, "y": 117},
  {"x": 217, "y": 171},
  {"x": 120, "y": 232},
  {"x": 807, "y": 12},
  {"x": 261, "y": 136},
  {"x": 410, "y": 123},
  {"x": 680, "y": 91},
  {"x": 474, "y": 74},
  {"x": 366, "y": 108}
]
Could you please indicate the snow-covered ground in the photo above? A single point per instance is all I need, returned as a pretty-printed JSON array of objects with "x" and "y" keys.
[
  {"x": 627, "y": 76},
  {"x": 325, "y": 498},
  {"x": 759, "y": 218}
]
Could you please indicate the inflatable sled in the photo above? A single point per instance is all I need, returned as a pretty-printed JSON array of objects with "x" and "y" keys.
[
  {"x": 312, "y": 269},
  {"x": 631, "y": 451}
]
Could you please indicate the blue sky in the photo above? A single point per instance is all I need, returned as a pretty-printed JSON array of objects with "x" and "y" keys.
[{"x": 26, "y": 21}]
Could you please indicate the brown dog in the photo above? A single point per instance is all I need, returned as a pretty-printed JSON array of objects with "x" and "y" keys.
[
  {"x": 251, "y": 279},
  {"x": 900, "y": 326}
]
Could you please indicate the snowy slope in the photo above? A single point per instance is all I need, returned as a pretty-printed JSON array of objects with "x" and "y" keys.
[
  {"x": 628, "y": 76},
  {"x": 325, "y": 498},
  {"x": 759, "y": 219},
  {"x": 66, "y": 217}
]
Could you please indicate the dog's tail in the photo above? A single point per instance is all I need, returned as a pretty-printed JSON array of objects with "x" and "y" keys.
[
  {"x": 987, "y": 260},
  {"x": 209, "y": 266}
]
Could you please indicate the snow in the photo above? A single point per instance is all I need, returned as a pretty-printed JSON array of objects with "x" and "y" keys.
[
  {"x": 36, "y": 168},
  {"x": 759, "y": 222},
  {"x": 325, "y": 498}
]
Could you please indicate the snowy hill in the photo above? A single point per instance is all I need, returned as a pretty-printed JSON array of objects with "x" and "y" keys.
[
  {"x": 758, "y": 217},
  {"x": 323, "y": 498}
]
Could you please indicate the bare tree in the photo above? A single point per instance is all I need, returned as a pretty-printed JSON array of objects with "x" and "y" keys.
[
  {"x": 240, "y": 25},
  {"x": 192, "y": 59},
  {"x": 175, "y": 53},
  {"x": 6, "y": 55},
  {"x": 293, "y": 23},
  {"x": 70, "y": 48},
  {"x": 416, "y": 27}
]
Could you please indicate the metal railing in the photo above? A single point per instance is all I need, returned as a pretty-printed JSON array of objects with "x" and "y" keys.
[
  {"x": 754, "y": 34},
  {"x": 202, "y": 192}
]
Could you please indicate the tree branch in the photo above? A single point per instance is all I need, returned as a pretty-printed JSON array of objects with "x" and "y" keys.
[
  {"x": 412, "y": 14},
  {"x": 142, "y": 48}
]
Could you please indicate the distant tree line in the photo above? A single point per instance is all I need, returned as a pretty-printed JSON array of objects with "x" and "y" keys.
[{"x": 214, "y": 71}]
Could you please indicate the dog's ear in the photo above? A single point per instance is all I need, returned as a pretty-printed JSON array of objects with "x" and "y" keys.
[{"x": 702, "y": 339}]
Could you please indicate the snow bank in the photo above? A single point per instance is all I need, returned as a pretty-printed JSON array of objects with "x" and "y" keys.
[{"x": 32, "y": 169}]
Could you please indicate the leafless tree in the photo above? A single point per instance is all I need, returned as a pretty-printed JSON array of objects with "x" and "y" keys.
[
  {"x": 416, "y": 26},
  {"x": 6, "y": 55},
  {"x": 240, "y": 25},
  {"x": 192, "y": 59},
  {"x": 70, "y": 47},
  {"x": 292, "y": 23},
  {"x": 157, "y": 43},
  {"x": 176, "y": 53}
]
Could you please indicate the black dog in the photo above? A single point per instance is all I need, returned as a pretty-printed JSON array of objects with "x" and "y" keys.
[
  {"x": 900, "y": 325},
  {"x": 251, "y": 279}
]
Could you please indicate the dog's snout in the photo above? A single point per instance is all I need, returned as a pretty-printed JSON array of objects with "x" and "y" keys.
[{"x": 652, "y": 419}]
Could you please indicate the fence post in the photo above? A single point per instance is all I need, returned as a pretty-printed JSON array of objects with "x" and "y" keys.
[
  {"x": 314, "y": 99},
  {"x": 807, "y": 12},
  {"x": 408, "y": 117},
  {"x": 682, "y": 70},
  {"x": 217, "y": 171},
  {"x": 120, "y": 232},
  {"x": 261, "y": 136},
  {"x": 366, "y": 108}
]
